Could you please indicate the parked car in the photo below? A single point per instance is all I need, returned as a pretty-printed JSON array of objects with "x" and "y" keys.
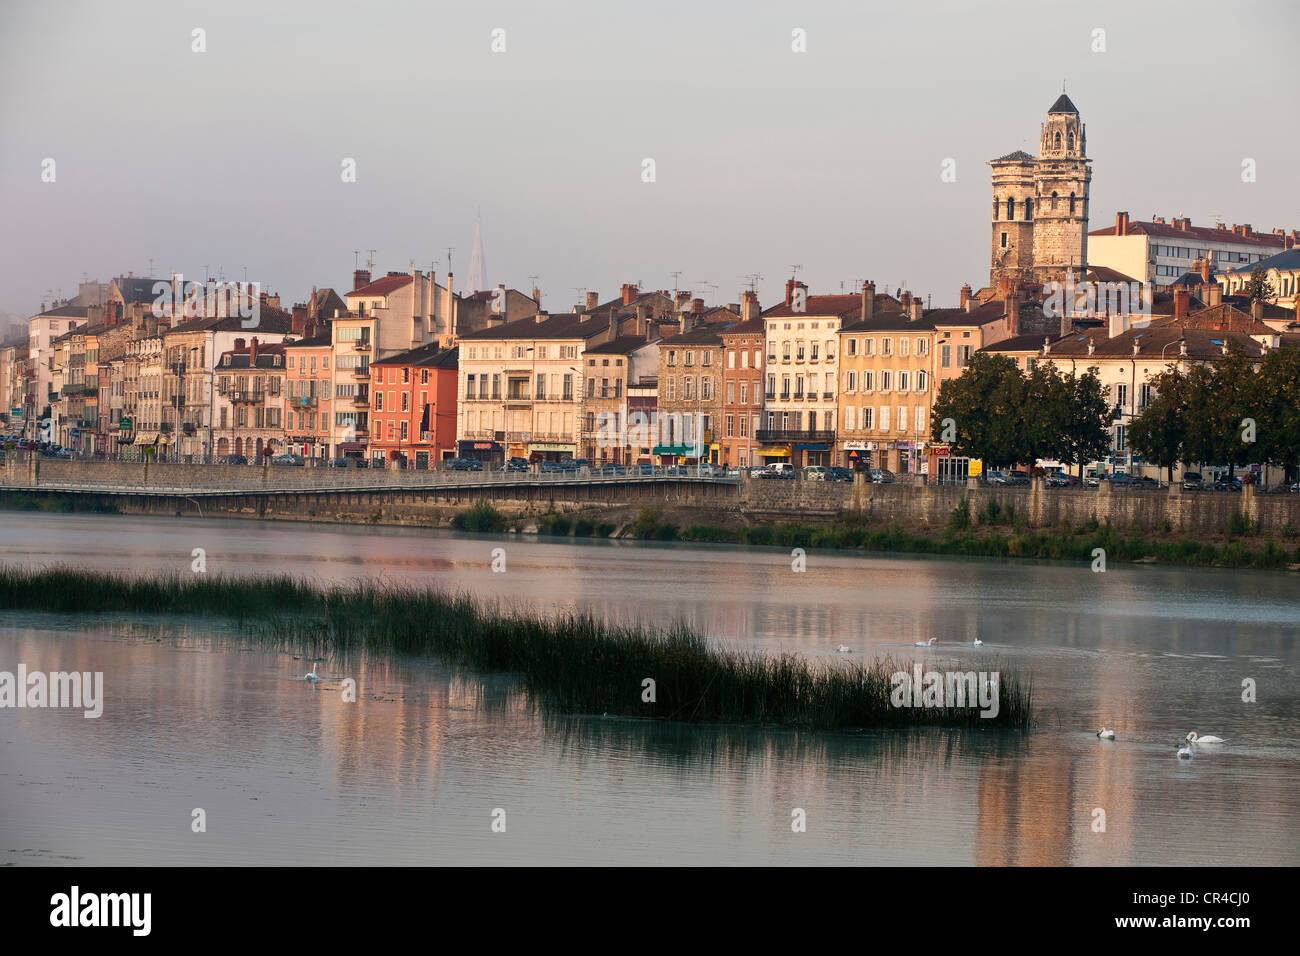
[
  {"x": 1192, "y": 481},
  {"x": 1017, "y": 478},
  {"x": 645, "y": 469},
  {"x": 707, "y": 470},
  {"x": 1228, "y": 483},
  {"x": 289, "y": 459},
  {"x": 836, "y": 473},
  {"x": 879, "y": 476},
  {"x": 814, "y": 473},
  {"x": 340, "y": 462},
  {"x": 1119, "y": 479},
  {"x": 465, "y": 464},
  {"x": 551, "y": 467},
  {"x": 516, "y": 464},
  {"x": 1142, "y": 481},
  {"x": 1059, "y": 479},
  {"x": 995, "y": 477},
  {"x": 611, "y": 470}
]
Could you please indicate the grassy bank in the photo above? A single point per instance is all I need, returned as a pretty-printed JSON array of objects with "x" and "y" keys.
[
  {"x": 574, "y": 663},
  {"x": 992, "y": 533}
]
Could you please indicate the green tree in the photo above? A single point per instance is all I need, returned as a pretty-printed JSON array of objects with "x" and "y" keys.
[
  {"x": 1159, "y": 434},
  {"x": 1085, "y": 435},
  {"x": 1233, "y": 399},
  {"x": 1278, "y": 410},
  {"x": 986, "y": 405},
  {"x": 1258, "y": 286}
]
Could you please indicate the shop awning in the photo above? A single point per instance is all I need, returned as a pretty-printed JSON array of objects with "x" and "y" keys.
[
  {"x": 673, "y": 450},
  {"x": 551, "y": 446},
  {"x": 146, "y": 438},
  {"x": 775, "y": 452},
  {"x": 347, "y": 446}
]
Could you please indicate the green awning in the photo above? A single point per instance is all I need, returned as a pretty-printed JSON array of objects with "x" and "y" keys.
[{"x": 674, "y": 450}]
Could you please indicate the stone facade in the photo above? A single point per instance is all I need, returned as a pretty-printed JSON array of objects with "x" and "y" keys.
[{"x": 1040, "y": 205}]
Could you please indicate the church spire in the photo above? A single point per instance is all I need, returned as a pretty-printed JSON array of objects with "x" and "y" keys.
[{"x": 477, "y": 266}]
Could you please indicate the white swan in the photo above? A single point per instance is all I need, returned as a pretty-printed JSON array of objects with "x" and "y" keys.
[
  {"x": 844, "y": 649},
  {"x": 925, "y": 643},
  {"x": 1105, "y": 734},
  {"x": 1184, "y": 753},
  {"x": 311, "y": 675},
  {"x": 1192, "y": 738},
  {"x": 978, "y": 642}
]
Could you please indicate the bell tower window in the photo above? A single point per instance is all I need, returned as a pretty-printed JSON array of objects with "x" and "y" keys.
[
  {"x": 1011, "y": 209},
  {"x": 1058, "y": 139}
]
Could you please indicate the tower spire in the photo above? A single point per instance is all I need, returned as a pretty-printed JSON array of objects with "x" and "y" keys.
[{"x": 477, "y": 265}]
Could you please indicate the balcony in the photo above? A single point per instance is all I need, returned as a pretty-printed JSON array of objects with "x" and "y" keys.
[
  {"x": 78, "y": 389},
  {"x": 361, "y": 401},
  {"x": 828, "y": 395},
  {"x": 782, "y": 435},
  {"x": 361, "y": 374},
  {"x": 247, "y": 397},
  {"x": 305, "y": 401},
  {"x": 361, "y": 346}
]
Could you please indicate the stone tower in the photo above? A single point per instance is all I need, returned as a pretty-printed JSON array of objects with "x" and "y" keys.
[{"x": 1040, "y": 206}]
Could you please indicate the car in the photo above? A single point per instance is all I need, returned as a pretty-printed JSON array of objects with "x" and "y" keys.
[
  {"x": 465, "y": 464},
  {"x": 879, "y": 476},
  {"x": 516, "y": 465},
  {"x": 1228, "y": 483},
  {"x": 1192, "y": 481},
  {"x": 1017, "y": 478},
  {"x": 551, "y": 467},
  {"x": 814, "y": 473},
  {"x": 289, "y": 459},
  {"x": 1142, "y": 481},
  {"x": 612, "y": 469},
  {"x": 707, "y": 470},
  {"x": 1058, "y": 479},
  {"x": 645, "y": 469},
  {"x": 1119, "y": 478},
  {"x": 836, "y": 473},
  {"x": 339, "y": 462},
  {"x": 676, "y": 471}
]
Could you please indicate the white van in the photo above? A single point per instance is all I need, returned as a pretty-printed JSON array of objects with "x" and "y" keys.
[{"x": 782, "y": 468}]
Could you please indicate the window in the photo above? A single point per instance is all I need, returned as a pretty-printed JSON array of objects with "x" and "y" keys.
[
  {"x": 672, "y": 356},
  {"x": 884, "y": 418},
  {"x": 920, "y": 420},
  {"x": 1011, "y": 209},
  {"x": 921, "y": 381},
  {"x": 731, "y": 393},
  {"x": 901, "y": 419},
  {"x": 731, "y": 359},
  {"x": 868, "y": 381},
  {"x": 922, "y": 346},
  {"x": 730, "y": 424},
  {"x": 886, "y": 346},
  {"x": 849, "y": 418},
  {"x": 853, "y": 346},
  {"x": 379, "y": 401},
  {"x": 867, "y": 418},
  {"x": 406, "y": 401},
  {"x": 744, "y": 426},
  {"x": 902, "y": 381},
  {"x": 850, "y": 381},
  {"x": 1004, "y": 240},
  {"x": 815, "y": 350},
  {"x": 884, "y": 380},
  {"x": 744, "y": 393}
]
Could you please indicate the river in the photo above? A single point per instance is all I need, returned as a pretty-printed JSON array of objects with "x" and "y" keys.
[{"x": 417, "y": 770}]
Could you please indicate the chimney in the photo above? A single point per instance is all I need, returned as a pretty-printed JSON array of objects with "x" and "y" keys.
[
  {"x": 593, "y": 300},
  {"x": 1066, "y": 325},
  {"x": 1013, "y": 312},
  {"x": 1257, "y": 310},
  {"x": 1215, "y": 294},
  {"x": 252, "y": 353},
  {"x": 697, "y": 306},
  {"x": 642, "y": 320},
  {"x": 360, "y": 278},
  {"x": 299, "y": 322},
  {"x": 789, "y": 291},
  {"x": 868, "y": 300},
  {"x": 1205, "y": 270},
  {"x": 965, "y": 296},
  {"x": 629, "y": 293},
  {"x": 1182, "y": 223},
  {"x": 906, "y": 300},
  {"x": 239, "y": 345},
  {"x": 684, "y": 323},
  {"x": 1121, "y": 223},
  {"x": 917, "y": 304},
  {"x": 748, "y": 306},
  {"x": 680, "y": 299},
  {"x": 1181, "y": 300}
]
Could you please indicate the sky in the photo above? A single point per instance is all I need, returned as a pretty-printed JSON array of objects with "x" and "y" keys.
[{"x": 765, "y": 158}]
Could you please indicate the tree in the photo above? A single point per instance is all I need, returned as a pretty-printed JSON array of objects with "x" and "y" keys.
[
  {"x": 1258, "y": 286},
  {"x": 1278, "y": 413},
  {"x": 985, "y": 404},
  {"x": 1233, "y": 399},
  {"x": 1159, "y": 434},
  {"x": 1085, "y": 435}
]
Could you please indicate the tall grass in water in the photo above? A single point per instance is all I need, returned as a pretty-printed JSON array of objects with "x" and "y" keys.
[{"x": 574, "y": 662}]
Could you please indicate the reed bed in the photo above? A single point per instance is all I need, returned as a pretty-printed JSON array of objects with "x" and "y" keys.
[{"x": 574, "y": 663}]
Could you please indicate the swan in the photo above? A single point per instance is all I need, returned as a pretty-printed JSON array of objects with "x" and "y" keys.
[
  {"x": 925, "y": 643},
  {"x": 843, "y": 649},
  {"x": 311, "y": 675},
  {"x": 1105, "y": 734},
  {"x": 978, "y": 642},
  {"x": 1192, "y": 738}
]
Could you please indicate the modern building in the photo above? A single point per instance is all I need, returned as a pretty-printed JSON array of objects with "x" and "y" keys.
[{"x": 1160, "y": 251}]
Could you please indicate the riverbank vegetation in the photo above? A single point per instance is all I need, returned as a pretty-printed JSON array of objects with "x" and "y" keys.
[{"x": 573, "y": 663}]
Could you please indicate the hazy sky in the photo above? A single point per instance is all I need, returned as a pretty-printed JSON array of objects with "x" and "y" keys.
[{"x": 765, "y": 158}]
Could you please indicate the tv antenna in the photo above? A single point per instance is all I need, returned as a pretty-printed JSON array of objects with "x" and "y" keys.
[
  {"x": 676, "y": 279},
  {"x": 370, "y": 261},
  {"x": 794, "y": 271},
  {"x": 754, "y": 279},
  {"x": 450, "y": 250}
]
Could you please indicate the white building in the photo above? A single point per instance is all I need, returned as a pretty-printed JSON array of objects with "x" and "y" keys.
[{"x": 1160, "y": 251}]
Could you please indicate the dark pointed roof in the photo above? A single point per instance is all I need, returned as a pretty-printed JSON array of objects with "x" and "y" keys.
[
  {"x": 1019, "y": 156},
  {"x": 1063, "y": 105}
]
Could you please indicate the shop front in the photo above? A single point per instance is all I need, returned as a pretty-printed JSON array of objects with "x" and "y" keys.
[
  {"x": 771, "y": 454},
  {"x": 856, "y": 455},
  {"x": 550, "y": 451},
  {"x": 487, "y": 452},
  {"x": 672, "y": 454},
  {"x": 813, "y": 454}
]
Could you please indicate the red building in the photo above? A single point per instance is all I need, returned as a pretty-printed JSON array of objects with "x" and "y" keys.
[{"x": 413, "y": 407}]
